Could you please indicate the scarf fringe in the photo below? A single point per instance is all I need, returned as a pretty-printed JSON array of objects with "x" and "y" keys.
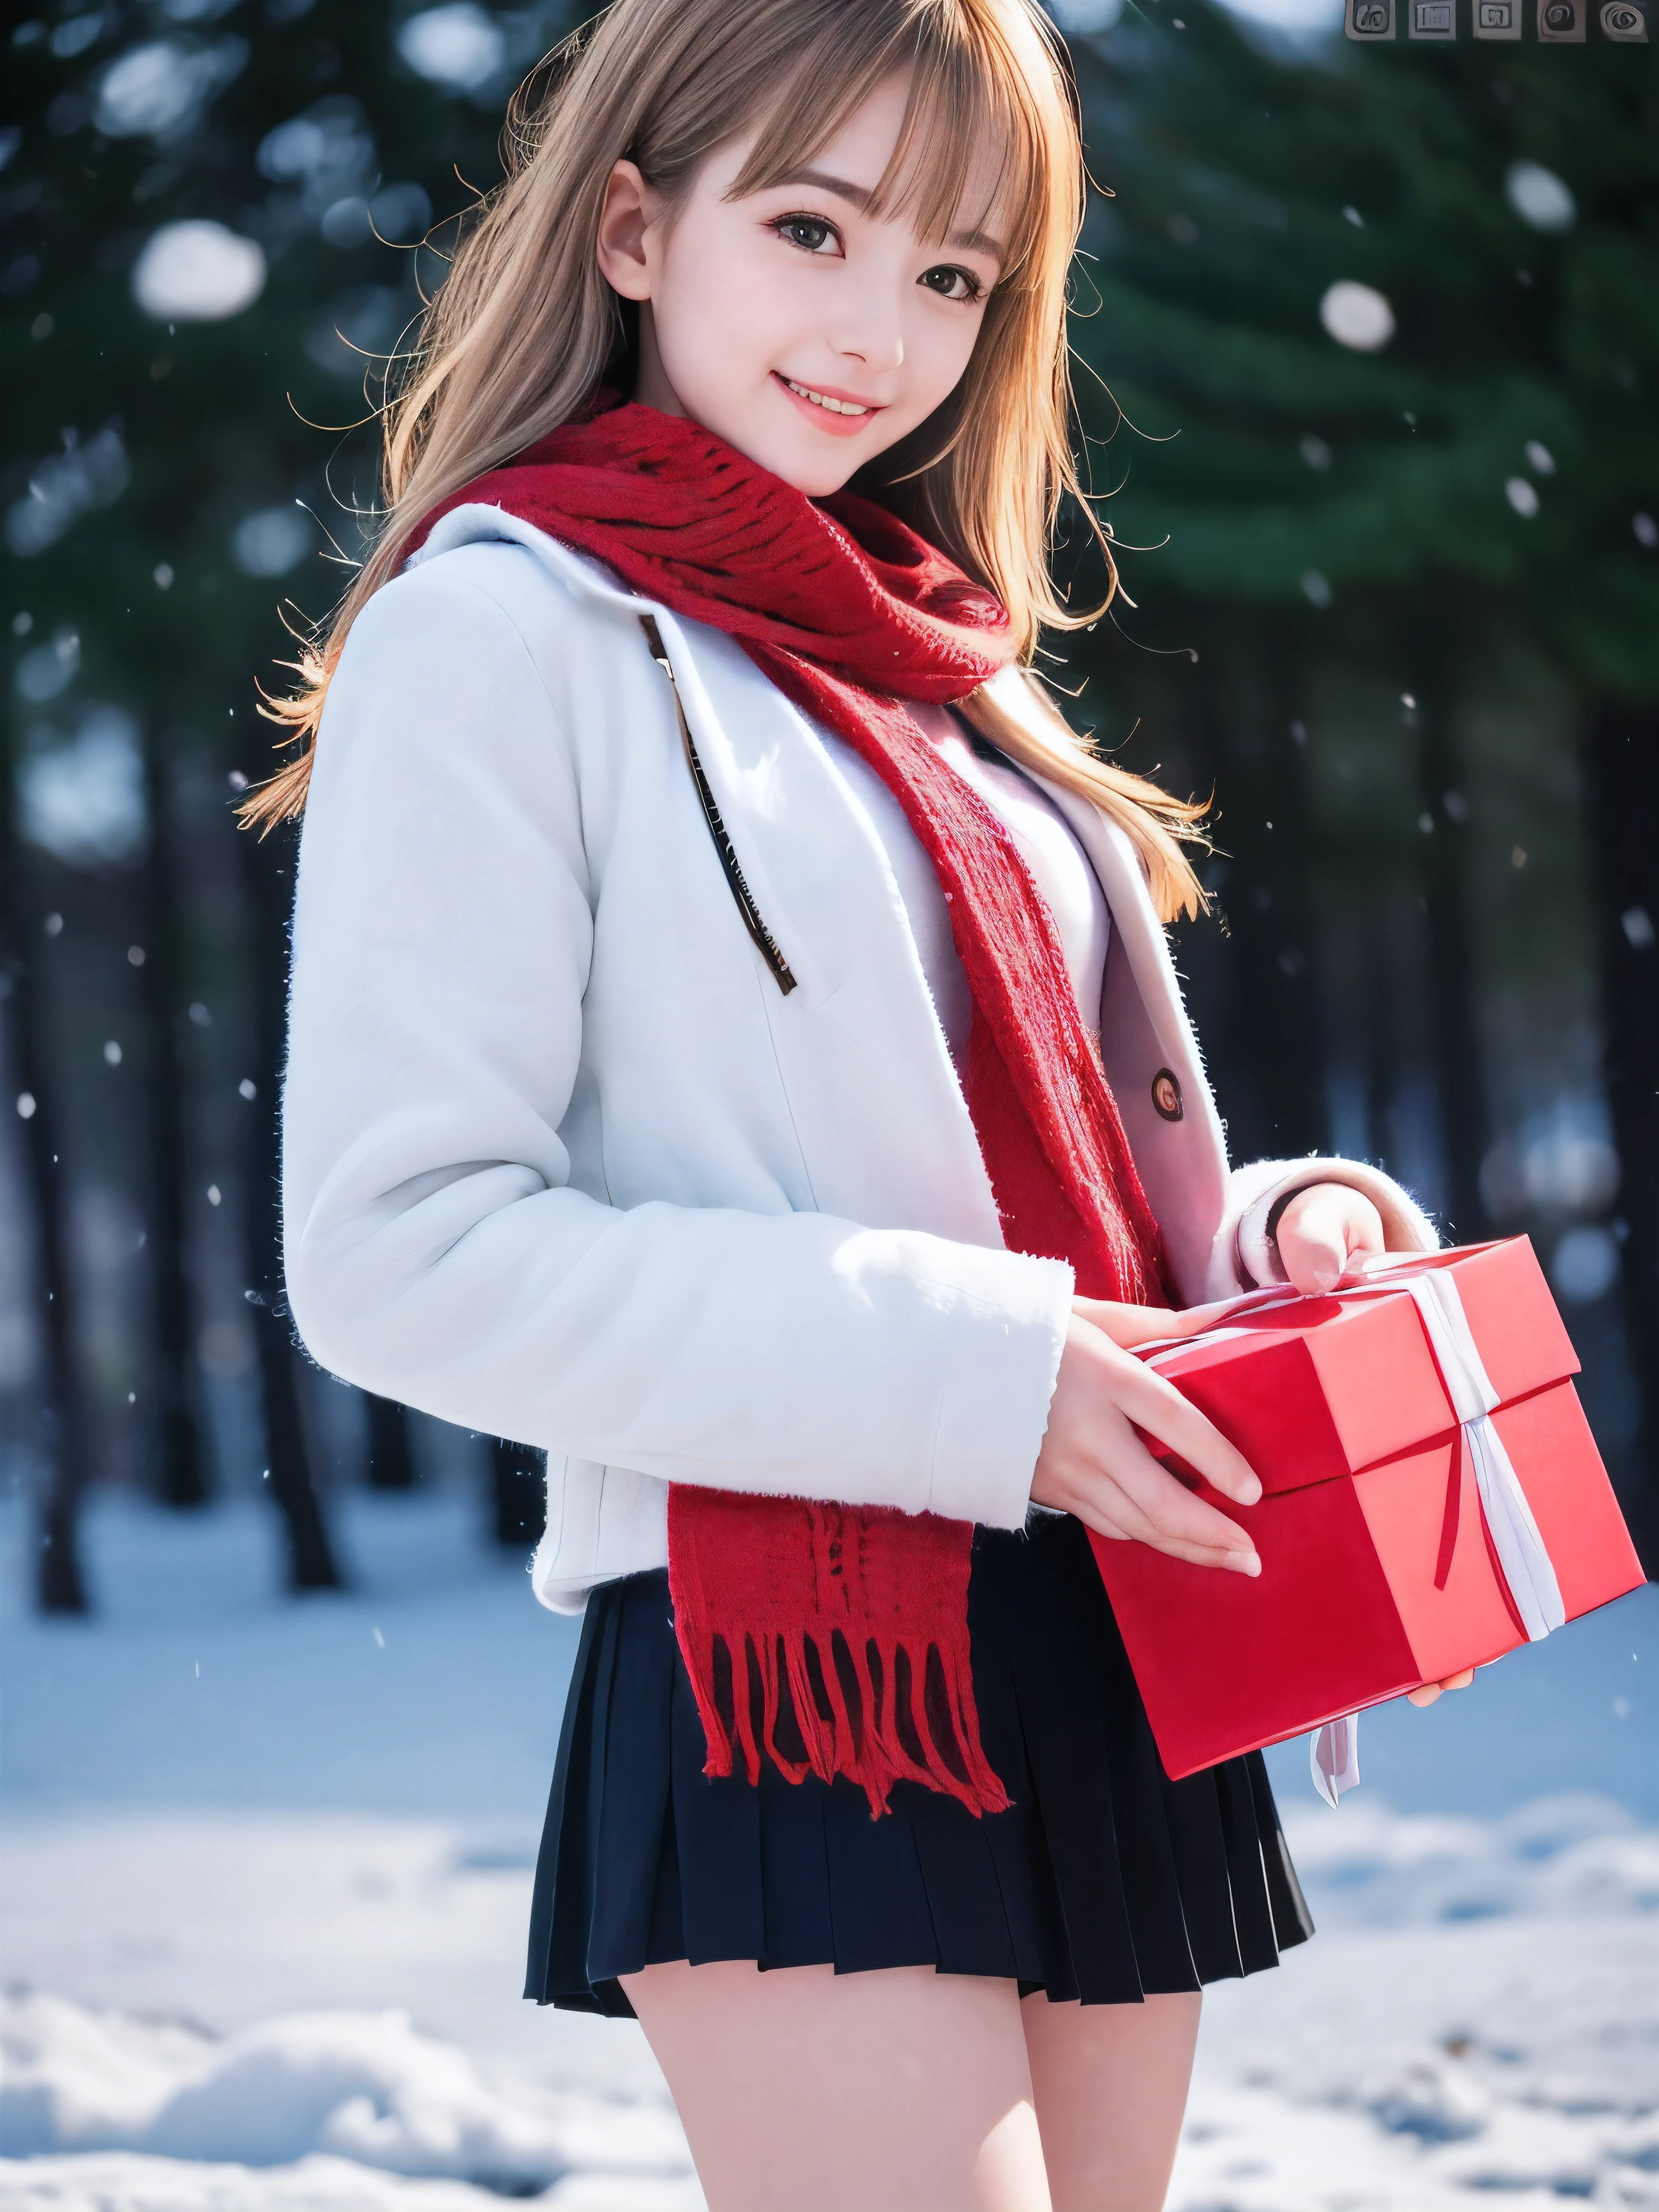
[{"x": 794, "y": 1666}]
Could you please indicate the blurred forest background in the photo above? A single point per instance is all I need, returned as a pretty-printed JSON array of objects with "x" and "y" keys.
[{"x": 1368, "y": 352}]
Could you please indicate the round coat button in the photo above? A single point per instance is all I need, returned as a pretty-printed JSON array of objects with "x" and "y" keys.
[{"x": 1166, "y": 1095}]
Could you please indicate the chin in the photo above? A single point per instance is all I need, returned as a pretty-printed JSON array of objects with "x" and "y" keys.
[
  {"x": 816, "y": 481},
  {"x": 815, "y": 474},
  {"x": 813, "y": 466}
]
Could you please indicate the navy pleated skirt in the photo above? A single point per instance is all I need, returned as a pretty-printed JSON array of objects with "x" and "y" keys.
[{"x": 1104, "y": 1880}]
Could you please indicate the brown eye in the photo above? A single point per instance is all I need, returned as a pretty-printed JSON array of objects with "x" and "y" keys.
[{"x": 952, "y": 283}]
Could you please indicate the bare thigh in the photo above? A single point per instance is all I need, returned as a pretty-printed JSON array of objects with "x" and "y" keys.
[
  {"x": 838, "y": 2093},
  {"x": 1110, "y": 2083}
]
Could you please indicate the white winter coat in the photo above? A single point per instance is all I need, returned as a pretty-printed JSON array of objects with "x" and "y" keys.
[{"x": 561, "y": 1162}]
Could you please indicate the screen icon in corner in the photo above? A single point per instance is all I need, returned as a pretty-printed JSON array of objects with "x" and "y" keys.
[
  {"x": 1433, "y": 19},
  {"x": 1621, "y": 19},
  {"x": 1370, "y": 20},
  {"x": 1561, "y": 23},
  {"x": 1497, "y": 19}
]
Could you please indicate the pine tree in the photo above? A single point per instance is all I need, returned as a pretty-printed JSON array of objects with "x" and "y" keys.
[
  {"x": 1467, "y": 500},
  {"x": 163, "y": 474}
]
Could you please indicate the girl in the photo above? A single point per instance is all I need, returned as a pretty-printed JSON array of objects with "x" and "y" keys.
[{"x": 734, "y": 1046}]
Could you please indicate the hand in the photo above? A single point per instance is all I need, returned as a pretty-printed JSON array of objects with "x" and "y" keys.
[
  {"x": 1320, "y": 1231},
  {"x": 1430, "y": 1691},
  {"x": 1133, "y": 1326},
  {"x": 1094, "y": 1465}
]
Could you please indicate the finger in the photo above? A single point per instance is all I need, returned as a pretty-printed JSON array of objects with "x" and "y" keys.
[
  {"x": 1365, "y": 1226},
  {"x": 1129, "y": 1327},
  {"x": 1459, "y": 1681},
  {"x": 1200, "y": 1555},
  {"x": 1314, "y": 1251},
  {"x": 1324, "y": 1227},
  {"x": 1151, "y": 1504},
  {"x": 1426, "y": 1696},
  {"x": 1105, "y": 1510},
  {"x": 1156, "y": 1406},
  {"x": 1175, "y": 1547}
]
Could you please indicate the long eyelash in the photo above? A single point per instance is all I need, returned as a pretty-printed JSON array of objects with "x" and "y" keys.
[
  {"x": 800, "y": 214},
  {"x": 974, "y": 293}
]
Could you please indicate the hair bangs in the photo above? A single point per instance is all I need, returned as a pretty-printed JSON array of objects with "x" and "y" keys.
[{"x": 967, "y": 93}]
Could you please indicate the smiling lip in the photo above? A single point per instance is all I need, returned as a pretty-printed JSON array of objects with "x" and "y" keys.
[{"x": 839, "y": 425}]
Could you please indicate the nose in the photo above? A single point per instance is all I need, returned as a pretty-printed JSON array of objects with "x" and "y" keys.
[{"x": 873, "y": 336}]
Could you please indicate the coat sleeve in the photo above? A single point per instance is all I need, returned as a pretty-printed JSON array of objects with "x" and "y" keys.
[{"x": 437, "y": 1251}]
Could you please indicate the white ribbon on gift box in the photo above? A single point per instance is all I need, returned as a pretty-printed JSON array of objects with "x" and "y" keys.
[
  {"x": 1333, "y": 1758},
  {"x": 1333, "y": 1751}
]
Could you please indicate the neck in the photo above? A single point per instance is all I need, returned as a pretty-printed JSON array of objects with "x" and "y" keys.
[{"x": 653, "y": 388}]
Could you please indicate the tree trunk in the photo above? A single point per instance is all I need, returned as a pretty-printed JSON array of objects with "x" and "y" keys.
[
  {"x": 181, "y": 1472},
  {"x": 1273, "y": 1077},
  {"x": 520, "y": 1473},
  {"x": 1382, "y": 1038},
  {"x": 268, "y": 878},
  {"x": 1453, "y": 1024},
  {"x": 1622, "y": 759},
  {"x": 58, "y": 1583},
  {"x": 391, "y": 1461}
]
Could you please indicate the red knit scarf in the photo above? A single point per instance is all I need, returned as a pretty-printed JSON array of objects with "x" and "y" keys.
[{"x": 834, "y": 1638}]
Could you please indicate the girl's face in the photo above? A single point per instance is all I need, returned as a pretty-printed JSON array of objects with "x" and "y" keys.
[{"x": 802, "y": 329}]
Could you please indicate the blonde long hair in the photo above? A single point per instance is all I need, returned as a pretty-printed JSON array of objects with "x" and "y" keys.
[{"x": 524, "y": 329}]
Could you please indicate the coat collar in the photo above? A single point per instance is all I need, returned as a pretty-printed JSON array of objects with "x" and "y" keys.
[{"x": 883, "y": 1126}]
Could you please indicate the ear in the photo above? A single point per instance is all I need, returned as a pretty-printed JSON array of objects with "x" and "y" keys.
[{"x": 629, "y": 211}]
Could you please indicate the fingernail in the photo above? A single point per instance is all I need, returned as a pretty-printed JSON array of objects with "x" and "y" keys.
[
  {"x": 1249, "y": 1490},
  {"x": 1245, "y": 1562}
]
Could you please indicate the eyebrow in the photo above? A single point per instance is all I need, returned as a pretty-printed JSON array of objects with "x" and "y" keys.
[{"x": 857, "y": 196}]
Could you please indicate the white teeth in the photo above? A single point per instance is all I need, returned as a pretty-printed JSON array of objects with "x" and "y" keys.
[{"x": 818, "y": 399}]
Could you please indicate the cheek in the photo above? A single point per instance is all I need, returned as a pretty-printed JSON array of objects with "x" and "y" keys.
[
  {"x": 716, "y": 313},
  {"x": 937, "y": 347}
]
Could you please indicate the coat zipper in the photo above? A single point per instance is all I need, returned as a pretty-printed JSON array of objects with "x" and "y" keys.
[{"x": 782, "y": 975}]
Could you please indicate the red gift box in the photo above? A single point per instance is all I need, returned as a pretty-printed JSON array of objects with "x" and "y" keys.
[{"x": 1402, "y": 1536}]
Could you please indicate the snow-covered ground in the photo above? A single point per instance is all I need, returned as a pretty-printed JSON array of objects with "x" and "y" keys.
[{"x": 264, "y": 1871}]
